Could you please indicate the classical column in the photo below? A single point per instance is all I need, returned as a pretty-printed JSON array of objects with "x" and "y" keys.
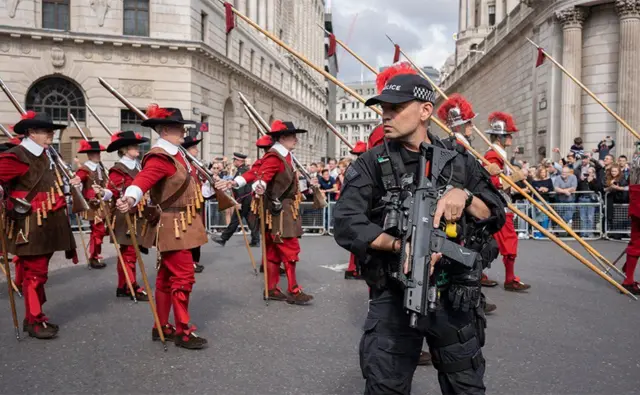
[
  {"x": 462, "y": 22},
  {"x": 242, "y": 6},
  {"x": 499, "y": 11},
  {"x": 628, "y": 74},
  {"x": 570, "y": 108},
  {"x": 484, "y": 13},
  {"x": 253, "y": 9}
]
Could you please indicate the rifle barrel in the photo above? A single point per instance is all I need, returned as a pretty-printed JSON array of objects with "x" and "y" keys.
[{"x": 104, "y": 126}]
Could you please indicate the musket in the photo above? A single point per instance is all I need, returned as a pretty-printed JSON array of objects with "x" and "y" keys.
[
  {"x": 604, "y": 263},
  {"x": 475, "y": 153},
  {"x": 11, "y": 97},
  {"x": 224, "y": 201},
  {"x": 587, "y": 90},
  {"x": 319, "y": 199},
  {"x": 104, "y": 126},
  {"x": 265, "y": 262}
]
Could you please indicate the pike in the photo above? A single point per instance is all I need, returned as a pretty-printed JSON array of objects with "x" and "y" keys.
[
  {"x": 602, "y": 261},
  {"x": 107, "y": 214},
  {"x": 319, "y": 200},
  {"x": 224, "y": 201},
  {"x": 587, "y": 90},
  {"x": 446, "y": 129}
]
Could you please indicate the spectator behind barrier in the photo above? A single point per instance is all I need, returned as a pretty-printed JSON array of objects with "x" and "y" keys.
[
  {"x": 589, "y": 185},
  {"x": 543, "y": 184},
  {"x": 565, "y": 187},
  {"x": 604, "y": 147},
  {"x": 624, "y": 167},
  {"x": 616, "y": 189}
]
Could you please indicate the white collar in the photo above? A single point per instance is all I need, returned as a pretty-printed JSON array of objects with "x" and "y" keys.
[
  {"x": 172, "y": 149},
  {"x": 280, "y": 149},
  {"x": 499, "y": 150},
  {"x": 128, "y": 162},
  {"x": 91, "y": 165},
  {"x": 32, "y": 146}
]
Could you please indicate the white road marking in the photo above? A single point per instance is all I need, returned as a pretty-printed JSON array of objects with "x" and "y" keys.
[{"x": 341, "y": 267}]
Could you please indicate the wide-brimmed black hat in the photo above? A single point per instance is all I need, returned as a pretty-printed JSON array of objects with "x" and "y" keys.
[
  {"x": 190, "y": 142},
  {"x": 36, "y": 120},
  {"x": 164, "y": 116},
  {"x": 404, "y": 88},
  {"x": 87, "y": 147},
  {"x": 125, "y": 139},
  {"x": 280, "y": 128}
]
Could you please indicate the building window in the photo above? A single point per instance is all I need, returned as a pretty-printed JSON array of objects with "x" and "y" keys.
[
  {"x": 261, "y": 67},
  {"x": 136, "y": 17},
  {"x": 55, "y": 14},
  {"x": 130, "y": 121},
  {"x": 240, "y": 52},
  {"x": 344, "y": 106},
  {"x": 270, "y": 74},
  {"x": 57, "y": 97},
  {"x": 251, "y": 56},
  {"x": 492, "y": 15},
  {"x": 281, "y": 80},
  {"x": 203, "y": 26}
]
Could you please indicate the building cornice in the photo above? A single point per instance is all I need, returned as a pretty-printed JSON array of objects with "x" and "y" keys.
[{"x": 188, "y": 47}]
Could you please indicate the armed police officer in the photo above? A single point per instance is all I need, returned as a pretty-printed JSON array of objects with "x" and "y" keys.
[{"x": 464, "y": 196}]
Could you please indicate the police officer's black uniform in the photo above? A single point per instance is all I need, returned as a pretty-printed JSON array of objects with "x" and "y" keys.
[
  {"x": 390, "y": 348},
  {"x": 243, "y": 196}
]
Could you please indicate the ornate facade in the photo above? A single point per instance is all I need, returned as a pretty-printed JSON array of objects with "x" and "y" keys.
[
  {"x": 172, "y": 53},
  {"x": 597, "y": 42}
]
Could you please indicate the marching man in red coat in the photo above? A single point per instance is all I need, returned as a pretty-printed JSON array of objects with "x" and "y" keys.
[
  {"x": 278, "y": 183},
  {"x": 37, "y": 221},
  {"x": 501, "y": 136},
  {"x": 91, "y": 173},
  {"x": 121, "y": 176},
  {"x": 633, "y": 249},
  {"x": 166, "y": 176}
]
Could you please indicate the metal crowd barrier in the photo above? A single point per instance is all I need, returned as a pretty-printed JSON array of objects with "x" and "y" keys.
[
  {"x": 584, "y": 216},
  {"x": 617, "y": 224}
]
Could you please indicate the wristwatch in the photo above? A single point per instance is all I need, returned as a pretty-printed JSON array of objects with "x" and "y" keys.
[{"x": 469, "y": 200}]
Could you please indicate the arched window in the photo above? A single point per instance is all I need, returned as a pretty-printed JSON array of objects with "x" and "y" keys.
[{"x": 57, "y": 97}]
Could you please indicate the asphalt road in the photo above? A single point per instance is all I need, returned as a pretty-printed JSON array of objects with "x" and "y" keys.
[{"x": 571, "y": 334}]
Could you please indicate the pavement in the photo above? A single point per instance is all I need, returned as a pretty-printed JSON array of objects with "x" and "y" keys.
[{"x": 571, "y": 334}]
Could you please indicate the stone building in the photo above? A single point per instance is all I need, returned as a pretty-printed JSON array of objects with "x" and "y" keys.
[
  {"x": 597, "y": 41},
  {"x": 174, "y": 53},
  {"x": 353, "y": 119}
]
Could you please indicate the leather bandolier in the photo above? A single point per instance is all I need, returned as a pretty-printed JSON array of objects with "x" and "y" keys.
[
  {"x": 46, "y": 228},
  {"x": 285, "y": 221},
  {"x": 120, "y": 227},
  {"x": 180, "y": 226},
  {"x": 94, "y": 178}
]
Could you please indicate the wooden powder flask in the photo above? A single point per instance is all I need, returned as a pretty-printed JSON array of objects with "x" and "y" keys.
[
  {"x": 44, "y": 210},
  {"x": 38, "y": 217},
  {"x": 175, "y": 228},
  {"x": 183, "y": 222},
  {"x": 189, "y": 218},
  {"x": 11, "y": 225},
  {"x": 53, "y": 196},
  {"x": 49, "y": 202}
]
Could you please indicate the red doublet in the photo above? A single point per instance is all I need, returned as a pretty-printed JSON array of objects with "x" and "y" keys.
[
  {"x": 175, "y": 277},
  {"x": 32, "y": 271},
  {"x": 252, "y": 175},
  {"x": 98, "y": 230},
  {"x": 288, "y": 251},
  {"x": 495, "y": 158}
]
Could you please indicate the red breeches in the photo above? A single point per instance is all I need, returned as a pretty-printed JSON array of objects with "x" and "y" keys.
[
  {"x": 98, "y": 232},
  {"x": 36, "y": 274},
  {"x": 287, "y": 252},
  {"x": 173, "y": 285},
  {"x": 129, "y": 257}
]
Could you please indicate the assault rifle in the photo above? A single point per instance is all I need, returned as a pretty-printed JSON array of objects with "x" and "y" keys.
[{"x": 410, "y": 217}]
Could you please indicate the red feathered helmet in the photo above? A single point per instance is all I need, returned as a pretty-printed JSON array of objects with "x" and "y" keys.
[
  {"x": 90, "y": 146},
  {"x": 501, "y": 124},
  {"x": 400, "y": 84},
  {"x": 456, "y": 111}
]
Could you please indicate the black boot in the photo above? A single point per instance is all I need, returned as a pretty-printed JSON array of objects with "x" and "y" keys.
[
  {"x": 96, "y": 264},
  {"x": 169, "y": 333},
  {"x": 190, "y": 342},
  {"x": 218, "y": 240},
  {"x": 42, "y": 330},
  {"x": 198, "y": 268}
]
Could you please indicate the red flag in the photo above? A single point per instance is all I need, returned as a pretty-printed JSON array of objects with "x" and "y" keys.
[
  {"x": 229, "y": 16},
  {"x": 541, "y": 57},
  {"x": 332, "y": 45},
  {"x": 396, "y": 54}
]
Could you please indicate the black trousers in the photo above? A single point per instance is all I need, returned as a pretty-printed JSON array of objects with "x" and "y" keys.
[
  {"x": 245, "y": 211},
  {"x": 195, "y": 254},
  {"x": 390, "y": 349}
]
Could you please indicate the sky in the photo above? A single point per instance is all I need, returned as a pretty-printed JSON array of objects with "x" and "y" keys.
[{"x": 423, "y": 28}]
